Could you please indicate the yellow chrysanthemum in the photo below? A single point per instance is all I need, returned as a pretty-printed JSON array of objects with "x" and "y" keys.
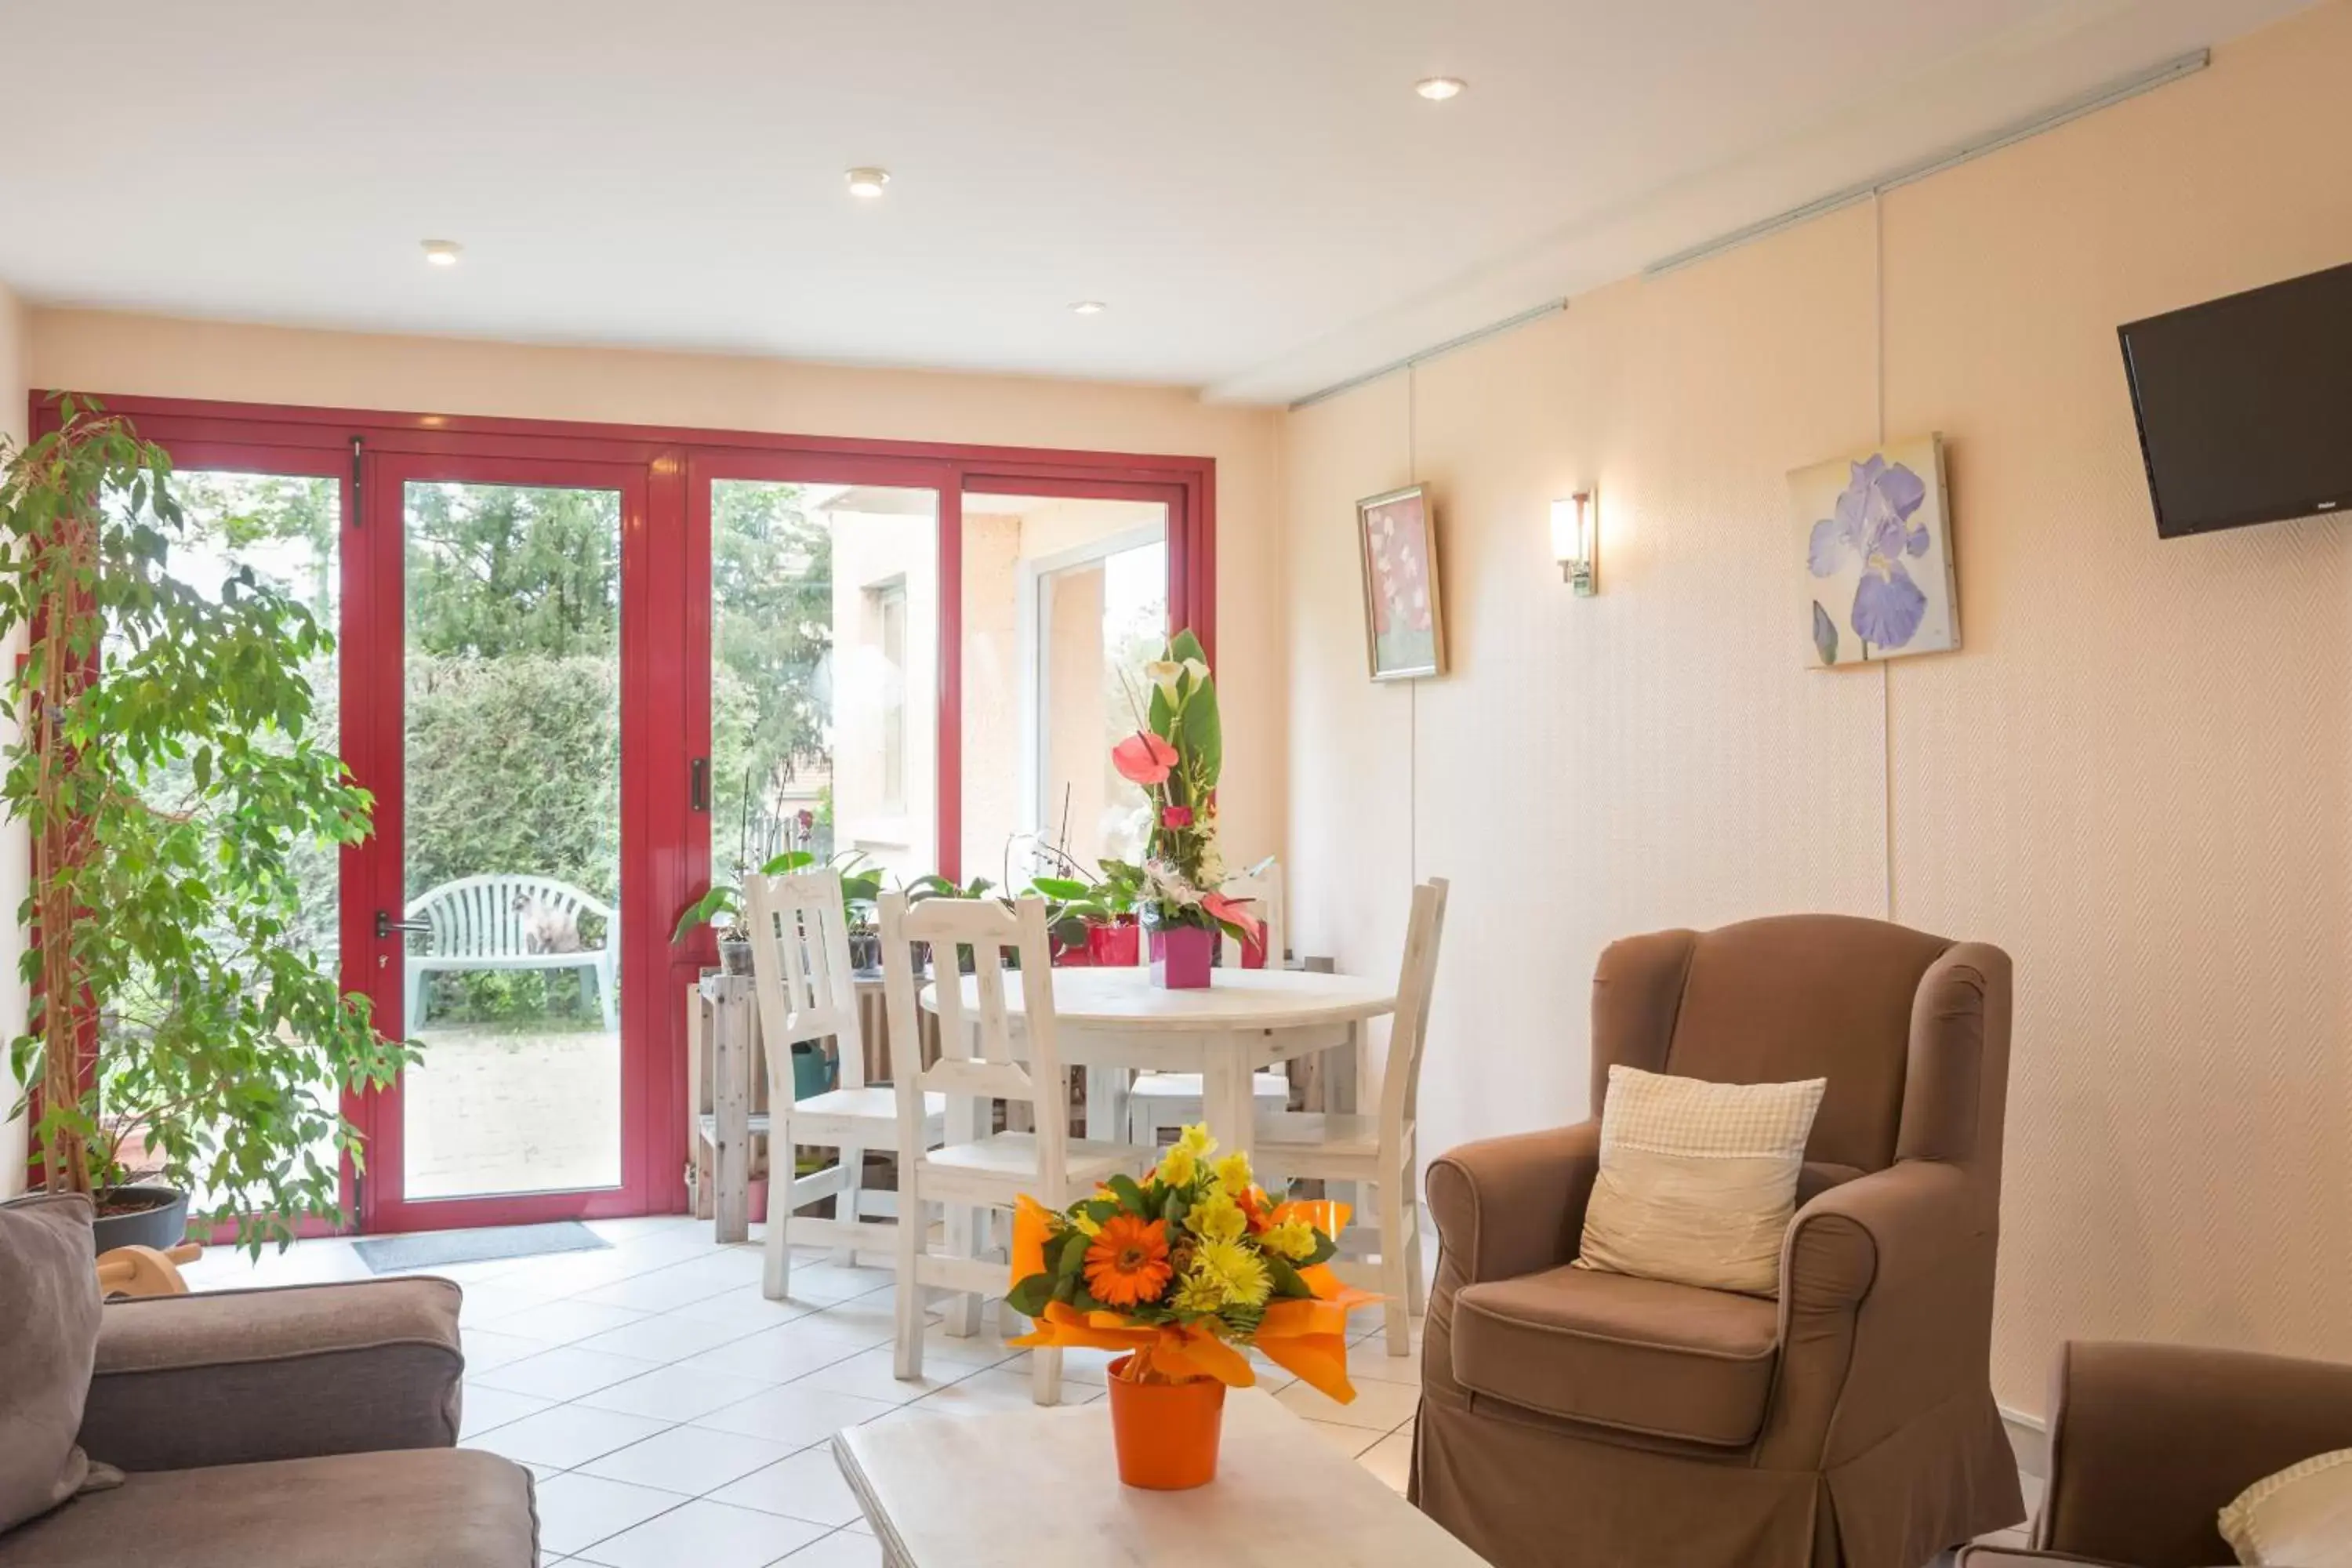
[
  {"x": 1292, "y": 1238},
  {"x": 1233, "y": 1174},
  {"x": 1217, "y": 1218},
  {"x": 1196, "y": 1140},
  {"x": 1178, "y": 1166},
  {"x": 1242, "y": 1272},
  {"x": 1198, "y": 1292}
]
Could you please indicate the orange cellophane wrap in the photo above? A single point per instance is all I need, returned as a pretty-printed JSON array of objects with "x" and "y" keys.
[{"x": 1309, "y": 1339}]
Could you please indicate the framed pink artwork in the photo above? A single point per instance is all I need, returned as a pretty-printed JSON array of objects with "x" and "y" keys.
[{"x": 1404, "y": 626}]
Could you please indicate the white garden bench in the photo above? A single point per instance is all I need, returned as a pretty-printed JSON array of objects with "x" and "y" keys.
[{"x": 485, "y": 923}]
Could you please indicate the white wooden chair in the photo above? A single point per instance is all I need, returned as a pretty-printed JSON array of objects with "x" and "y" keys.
[
  {"x": 801, "y": 972},
  {"x": 975, "y": 1168},
  {"x": 502, "y": 922},
  {"x": 1377, "y": 1149},
  {"x": 1157, "y": 1101}
]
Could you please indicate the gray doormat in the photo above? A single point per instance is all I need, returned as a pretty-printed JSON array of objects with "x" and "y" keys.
[{"x": 439, "y": 1248}]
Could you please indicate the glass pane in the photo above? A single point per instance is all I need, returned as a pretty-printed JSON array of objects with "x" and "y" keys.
[
  {"x": 512, "y": 838},
  {"x": 824, "y": 704},
  {"x": 286, "y": 530},
  {"x": 1063, "y": 601}
]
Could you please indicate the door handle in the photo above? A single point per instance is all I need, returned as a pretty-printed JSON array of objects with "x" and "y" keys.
[
  {"x": 697, "y": 784},
  {"x": 385, "y": 926}
]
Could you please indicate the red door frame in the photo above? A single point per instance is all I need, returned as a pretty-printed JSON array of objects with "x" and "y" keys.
[
  {"x": 376, "y": 626},
  {"x": 675, "y": 463}
]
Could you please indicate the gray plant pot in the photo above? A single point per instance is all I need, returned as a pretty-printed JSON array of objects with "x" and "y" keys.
[
  {"x": 164, "y": 1223},
  {"x": 735, "y": 957}
]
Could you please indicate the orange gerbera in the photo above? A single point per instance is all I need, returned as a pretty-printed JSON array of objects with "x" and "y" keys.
[{"x": 1128, "y": 1263}]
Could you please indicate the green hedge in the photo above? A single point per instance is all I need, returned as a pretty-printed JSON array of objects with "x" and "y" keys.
[{"x": 514, "y": 766}]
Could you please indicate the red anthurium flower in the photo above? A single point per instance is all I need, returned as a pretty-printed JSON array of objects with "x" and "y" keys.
[
  {"x": 1235, "y": 912},
  {"x": 1143, "y": 758},
  {"x": 1176, "y": 817}
]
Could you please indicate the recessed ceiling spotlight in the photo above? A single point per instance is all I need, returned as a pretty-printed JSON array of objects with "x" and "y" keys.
[
  {"x": 442, "y": 252},
  {"x": 866, "y": 184},
  {"x": 1438, "y": 88},
  {"x": 1089, "y": 307}
]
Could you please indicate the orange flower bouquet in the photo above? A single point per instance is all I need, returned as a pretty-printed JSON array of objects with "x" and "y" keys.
[{"x": 1180, "y": 1270}]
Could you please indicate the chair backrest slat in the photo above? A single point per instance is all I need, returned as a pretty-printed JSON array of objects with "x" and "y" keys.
[
  {"x": 977, "y": 1059},
  {"x": 1409, "y": 1033},
  {"x": 800, "y": 968}
]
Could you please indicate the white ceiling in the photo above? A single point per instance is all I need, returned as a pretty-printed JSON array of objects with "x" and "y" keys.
[{"x": 1251, "y": 184}]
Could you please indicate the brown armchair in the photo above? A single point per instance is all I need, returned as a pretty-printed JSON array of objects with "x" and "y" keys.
[
  {"x": 306, "y": 1425},
  {"x": 1571, "y": 1417},
  {"x": 2149, "y": 1442}
]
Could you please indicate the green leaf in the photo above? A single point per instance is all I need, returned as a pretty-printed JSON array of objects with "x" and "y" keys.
[
  {"x": 1825, "y": 634},
  {"x": 1130, "y": 1193},
  {"x": 1203, "y": 741},
  {"x": 1029, "y": 1297},
  {"x": 1287, "y": 1282}
]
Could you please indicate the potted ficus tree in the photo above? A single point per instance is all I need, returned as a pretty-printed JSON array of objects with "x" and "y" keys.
[{"x": 166, "y": 768}]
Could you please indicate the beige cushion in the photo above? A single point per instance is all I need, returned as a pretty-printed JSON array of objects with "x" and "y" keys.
[
  {"x": 1699, "y": 1181},
  {"x": 49, "y": 1336},
  {"x": 1640, "y": 1355},
  {"x": 2301, "y": 1516}
]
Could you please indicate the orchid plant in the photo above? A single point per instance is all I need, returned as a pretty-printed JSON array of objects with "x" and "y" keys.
[{"x": 1174, "y": 756}]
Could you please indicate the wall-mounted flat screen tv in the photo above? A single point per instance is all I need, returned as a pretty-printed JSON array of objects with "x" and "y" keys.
[{"x": 2245, "y": 404}]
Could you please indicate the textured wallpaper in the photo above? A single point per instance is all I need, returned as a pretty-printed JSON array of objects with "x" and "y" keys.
[{"x": 2134, "y": 776}]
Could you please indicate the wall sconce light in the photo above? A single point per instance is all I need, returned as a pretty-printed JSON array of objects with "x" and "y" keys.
[{"x": 1576, "y": 541}]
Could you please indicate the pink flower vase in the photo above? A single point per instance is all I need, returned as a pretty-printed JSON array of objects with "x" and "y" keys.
[{"x": 1180, "y": 957}]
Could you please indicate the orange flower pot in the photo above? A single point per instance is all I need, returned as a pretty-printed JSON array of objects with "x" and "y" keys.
[{"x": 1166, "y": 1432}]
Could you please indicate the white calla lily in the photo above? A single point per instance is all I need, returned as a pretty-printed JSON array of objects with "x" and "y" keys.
[{"x": 1163, "y": 673}]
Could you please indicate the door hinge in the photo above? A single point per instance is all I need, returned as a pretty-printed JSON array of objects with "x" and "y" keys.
[{"x": 358, "y": 448}]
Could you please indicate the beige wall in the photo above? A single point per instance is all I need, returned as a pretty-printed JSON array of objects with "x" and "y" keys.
[
  {"x": 2134, "y": 777},
  {"x": 103, "y": 353},
  {"x": 13, "y": 848}
]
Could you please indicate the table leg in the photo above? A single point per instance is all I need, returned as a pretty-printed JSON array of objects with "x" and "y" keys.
[
  {"x": 732, "y": 1092},
  {"x": 1225, "y": 1093},
  {"x": 1106, "y": 1104}
]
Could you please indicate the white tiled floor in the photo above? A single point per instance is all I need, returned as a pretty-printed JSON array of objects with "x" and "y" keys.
[{"x": 671, "y": 1414}]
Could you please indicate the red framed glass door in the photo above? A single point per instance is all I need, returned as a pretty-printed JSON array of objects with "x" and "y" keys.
[
  {"x": 670, "y": 601},
  {"x": 820, "y": 675},
  {"x": 497, "y": 658}
]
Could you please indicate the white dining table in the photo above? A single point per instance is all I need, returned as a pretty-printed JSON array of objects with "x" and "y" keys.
[{"x": 1116, "y": 1022}]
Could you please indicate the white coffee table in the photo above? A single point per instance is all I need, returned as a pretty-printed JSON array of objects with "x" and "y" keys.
[{"x": 1039, "y": 1488}]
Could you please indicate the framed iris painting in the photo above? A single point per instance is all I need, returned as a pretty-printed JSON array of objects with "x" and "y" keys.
[
  {"x": 1404, "y": 627},
  {"x": 1876, "y": 536}
]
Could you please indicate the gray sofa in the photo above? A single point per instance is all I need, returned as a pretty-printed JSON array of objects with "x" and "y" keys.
[{"x": 300, "y": 1427}]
